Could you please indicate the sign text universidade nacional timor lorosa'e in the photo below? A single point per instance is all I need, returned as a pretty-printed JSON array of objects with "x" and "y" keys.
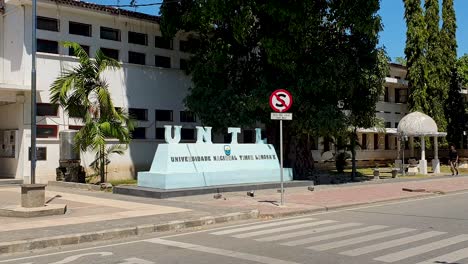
[{"x": 204, "y": 163}]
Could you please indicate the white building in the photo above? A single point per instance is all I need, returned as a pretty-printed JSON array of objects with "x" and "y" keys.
[{"x": 150, "y": 84}]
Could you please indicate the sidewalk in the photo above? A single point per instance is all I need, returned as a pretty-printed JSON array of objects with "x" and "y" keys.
[{"x": 93, "y": 216}]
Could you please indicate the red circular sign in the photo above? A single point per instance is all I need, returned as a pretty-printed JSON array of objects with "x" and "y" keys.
[{"x": 281, "y": 101}]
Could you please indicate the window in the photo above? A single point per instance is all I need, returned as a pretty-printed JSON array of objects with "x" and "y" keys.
[
  {"x": 47, "y": 110},
  {"x": 47, "y": 46},
  {"x": 387, "y": 141},
  {"x": 163, "y": 43},
  {"x": 401, "y": 95},
  {"x": 160, "y": 132},
  {"x": 398, "y": 77},
  {"x": 81, "y": 29},
  {"x": 186, "y": 45},
  {"x": 187, "y": 134},
  {"x": 183, "y": 64},
  {"x": 396, "y": 124},
  {"x": 187, "y": 117},
  {"x": 47, "y": 131},
  {"x": 136, "y": 58},
  {"x": 75, "y": 127},
  {"x": 386, "y": 99},
  {"x": 138, "y": 114},
  {"x": 249, "y": 136},
  {"x": 364, "y": 141},
  {"x": 71, "y": 51},
  {"x": 162, "y": 61},
  {"x": 139, "y": 133},
  {"x": 137, "y": 38},
  {"x": 164, "y": 115},
  {"x": 46, "y": 23},
  {"x": 376, "y": 141},
  {"x": 111, "y": 53},
  {"x": 41, "y": 153},
  {"x": 110, "y": 33},
  {"x": 388, "y": 124}
]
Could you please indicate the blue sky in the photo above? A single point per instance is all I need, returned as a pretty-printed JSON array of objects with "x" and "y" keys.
[{"x": 393, "y": 35}]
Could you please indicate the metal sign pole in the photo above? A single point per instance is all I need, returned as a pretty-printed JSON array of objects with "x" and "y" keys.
[
  {"x": 33, "y": 93},
  {"x": 281, "y": 157}
]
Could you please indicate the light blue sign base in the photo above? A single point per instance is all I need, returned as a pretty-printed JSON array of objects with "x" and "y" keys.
[{"x": 178, "y": 166}]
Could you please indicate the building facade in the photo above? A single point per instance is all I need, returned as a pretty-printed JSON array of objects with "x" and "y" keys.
[{"x": 151, "y": 84}]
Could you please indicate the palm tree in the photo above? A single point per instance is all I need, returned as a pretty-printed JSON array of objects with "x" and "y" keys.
[{"x": 82, "y": 91}]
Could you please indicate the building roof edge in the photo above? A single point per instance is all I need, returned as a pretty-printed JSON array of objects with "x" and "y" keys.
[{"x": 106, "y": 9}]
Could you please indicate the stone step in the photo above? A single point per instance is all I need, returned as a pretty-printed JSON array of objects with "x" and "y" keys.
[{"x": 10, "y": 181}]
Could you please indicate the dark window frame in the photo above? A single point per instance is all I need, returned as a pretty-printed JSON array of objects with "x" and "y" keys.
[
  {"x": 171, "y": 119},
  {"x": 56, "y": 49},
  {"x": 131, "y": 39},
  {"x": 162, "y": 63},
  {"x": 108, "y": 49},
  {"x": 138, "y": 129},
  {"x": 86, "y": 48},
  {"x": 115, "y": 30},
  {"x": 73, "y": 127},
  {"x": 160, "y": 136},
  {"x": 183, "y": 132},
  {"x": 187, "y": 117},
  {"x": 54, "y": 127},
  {"x": 130, "y": 55},
  {"x": 159, "y": 42},
  {"x": 48, "y": 19},
  {"x": 47, "y": 104},
  {"x": 398, "y": 96},
  {"x": 89, "y": 26},
  {"x": 145, "y": 113}
]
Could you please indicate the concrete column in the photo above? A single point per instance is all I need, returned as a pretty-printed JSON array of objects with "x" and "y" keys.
[
  {"x": 435, "y": 161},
  {"x": 423, "y": 161},
  {"x": 399, "y": 148},
  {"x": 411, "y": 145}
]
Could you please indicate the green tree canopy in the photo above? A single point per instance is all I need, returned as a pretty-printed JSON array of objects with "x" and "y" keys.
[{"x": 324, "y": 52}]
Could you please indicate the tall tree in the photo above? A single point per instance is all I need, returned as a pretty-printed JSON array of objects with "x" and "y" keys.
[
  {"x": 462, "y": 69},
  {"x": 82, "y": 91},
  {"x": 414, "y": 51},
  {"x": 323, "y": 51},
  {"x": 437, "y": 87},
  {"x": 454, "y": 110}
]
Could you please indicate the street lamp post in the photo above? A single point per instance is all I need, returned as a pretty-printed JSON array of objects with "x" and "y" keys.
[
  {"x": 404, "y": 139},
  {"x": 33, "y": 92}
]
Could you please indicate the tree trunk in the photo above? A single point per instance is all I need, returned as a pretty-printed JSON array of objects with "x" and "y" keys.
[
  {"x": 102, "y": 164},
  {"x": 353, "y": 141},
  {"x": 304, "y": 162}
]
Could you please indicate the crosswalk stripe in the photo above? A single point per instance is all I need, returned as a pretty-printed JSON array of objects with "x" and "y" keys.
[
  {"x": 411, "y": 252},
  {"x": 282, "y": 229},
  {"x": 391, "y": 244},
  {"x": 334, "y": 235},
  {"x": 241, "y": 229},
  {"x": 366, "y": 238},
  {"x": 221, "y": 252},
  {"x": 307, "y": 232},
  {"x": 448, "y": 258}
]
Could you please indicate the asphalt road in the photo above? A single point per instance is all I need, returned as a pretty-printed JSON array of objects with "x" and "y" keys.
[{"x": 430, "y": 230}]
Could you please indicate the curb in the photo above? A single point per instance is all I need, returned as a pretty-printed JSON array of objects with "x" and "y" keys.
[
  {"x": 345, "y": 206},
  {"x": 73, "y": 239},
  {"x": 75, "y": 185}
]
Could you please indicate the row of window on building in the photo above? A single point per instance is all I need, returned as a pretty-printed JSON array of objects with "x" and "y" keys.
[
  {"x": 401, "y": 95},
  {"x": 138, "y": 114},
  {"x": 76, "y": 28}
]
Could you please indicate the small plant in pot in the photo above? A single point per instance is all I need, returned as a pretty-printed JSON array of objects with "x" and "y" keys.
[
  {"x": 394, "y": 170},
  {"x": 376, "y": 170}
]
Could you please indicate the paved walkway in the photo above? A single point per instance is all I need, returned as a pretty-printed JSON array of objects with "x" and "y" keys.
[{"x": 90, "y": 211}]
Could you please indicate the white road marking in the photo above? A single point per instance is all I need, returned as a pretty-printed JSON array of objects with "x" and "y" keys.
[
  {"x": 451, "y": 257},
  {"x": 75, "y": 257},
  {"x": 366, "y": 238},
  {"x": 411, "y": 252},
  {"x": 391, "y": 244},
  {"x": 307, "y": 232},
  {"x": 282, "y": 229},
  {"x": 333, "y": 235},
  {"x": 221, "y": 252},
  {"x": 259, "y": 226}
]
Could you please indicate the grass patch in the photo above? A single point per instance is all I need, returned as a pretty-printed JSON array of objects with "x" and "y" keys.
[{"x": 123, "y": 182}]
